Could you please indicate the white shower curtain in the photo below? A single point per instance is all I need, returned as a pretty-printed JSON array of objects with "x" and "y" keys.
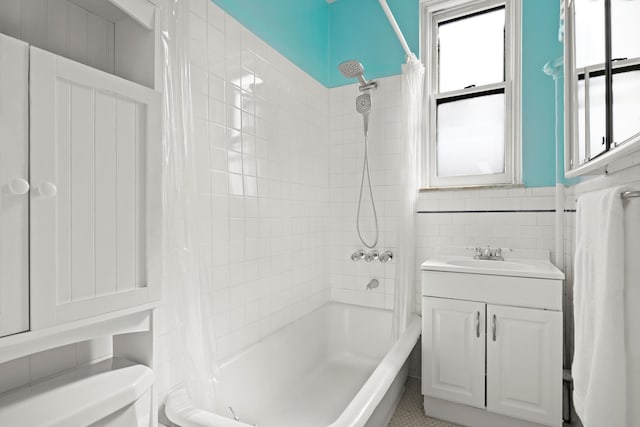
[
  {"x": 192, "y": 330},
  {"x": 412, "y": 102}
]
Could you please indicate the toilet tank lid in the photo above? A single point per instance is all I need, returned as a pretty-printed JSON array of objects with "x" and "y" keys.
[{"x": 78, "y": 397}]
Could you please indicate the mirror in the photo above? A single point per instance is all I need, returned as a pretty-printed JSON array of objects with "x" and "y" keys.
[{"x": 602, "y": 54}]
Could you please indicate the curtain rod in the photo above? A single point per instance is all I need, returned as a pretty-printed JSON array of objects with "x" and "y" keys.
[{"x": 394, "y": 24}]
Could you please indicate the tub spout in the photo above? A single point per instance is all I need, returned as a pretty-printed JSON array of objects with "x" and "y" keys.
[{"x": 373, "y": 283}]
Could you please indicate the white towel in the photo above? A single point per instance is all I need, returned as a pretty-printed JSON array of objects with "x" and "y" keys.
[{"x": 599, "y": 362}]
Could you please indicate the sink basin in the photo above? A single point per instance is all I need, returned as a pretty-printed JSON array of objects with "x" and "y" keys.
[
  {"x": 540, "y": 268},
  {"x": 482, "y": 263}
]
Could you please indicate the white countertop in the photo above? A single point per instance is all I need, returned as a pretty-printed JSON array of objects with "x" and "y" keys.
[{"x": 536, "y": 265}]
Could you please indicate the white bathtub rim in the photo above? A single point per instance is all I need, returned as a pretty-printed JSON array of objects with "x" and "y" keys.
[
  {"x": 372, "y": 392},
  {"x": 181, "y": 410},
  {"x": 228, "y": 360}
]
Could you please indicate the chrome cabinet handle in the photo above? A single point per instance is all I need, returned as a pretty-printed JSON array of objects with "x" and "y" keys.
[
  {"x": 477, "y": 324},
  {"x": 494, "y": 327}
]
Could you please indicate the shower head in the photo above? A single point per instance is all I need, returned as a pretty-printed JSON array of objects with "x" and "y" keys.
[
  {"x": 363, "y": 106},
  {"x": 353, "y": 69}
]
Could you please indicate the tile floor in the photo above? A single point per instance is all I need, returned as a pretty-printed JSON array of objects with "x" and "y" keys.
[{"x": 409, "y": 412}]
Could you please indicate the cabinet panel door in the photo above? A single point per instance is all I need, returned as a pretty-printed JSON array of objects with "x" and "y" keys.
[
  {"x": 524, "y": 363},
  {"x": 453, "y": 350},
  {"x": 14, "y": 176},
  {"x": 95, "y": 161}
]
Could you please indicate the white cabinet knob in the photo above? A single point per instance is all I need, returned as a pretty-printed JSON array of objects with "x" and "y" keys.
[
  {"x": 47, "y": 190},
  {"x": 18, "y": 186}
]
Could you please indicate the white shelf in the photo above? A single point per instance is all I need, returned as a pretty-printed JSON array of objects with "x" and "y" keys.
[{"x": 137, "y": 319}]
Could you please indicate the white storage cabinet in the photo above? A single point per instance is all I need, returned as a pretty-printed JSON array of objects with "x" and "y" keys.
[{"x": 80, "y": 159}]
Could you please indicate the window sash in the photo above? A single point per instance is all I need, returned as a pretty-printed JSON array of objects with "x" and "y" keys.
[
  {"x": 465, "y": 180},
  {"x": 585, "y": 74},
  {"x": 468, "y": 92},
  {"x": 444, "y": 19}
]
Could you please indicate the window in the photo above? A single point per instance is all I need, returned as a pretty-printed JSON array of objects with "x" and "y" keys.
[
  {"x": 473, "y": 90},
  {"x": 607, "y": 98}
]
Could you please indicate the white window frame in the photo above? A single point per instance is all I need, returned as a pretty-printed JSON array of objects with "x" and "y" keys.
[{"x": 434, "y": 12}]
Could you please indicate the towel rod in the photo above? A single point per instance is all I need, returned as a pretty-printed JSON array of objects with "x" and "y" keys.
[
  {"x": 627, "y": 195},
  {"x": 630, "y": 194}
]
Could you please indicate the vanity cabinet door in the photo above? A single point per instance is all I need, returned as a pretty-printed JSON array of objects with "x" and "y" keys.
[
  {"x": 524, "y": 363},
  {"x": 14, "y": 187},
  {"x": 453, "y": 350}
]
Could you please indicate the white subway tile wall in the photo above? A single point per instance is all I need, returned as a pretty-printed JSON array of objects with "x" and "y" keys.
[
  {"x": 261, "y": 143},
  {"x": 478, "y": 216},
  {"x": 349, "y": 279}
]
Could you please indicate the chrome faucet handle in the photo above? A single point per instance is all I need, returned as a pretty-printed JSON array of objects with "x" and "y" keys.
[
  {"x": 357, "y": 255},
  {"x": 478, "y": 252},
  {"x": 498, "y": 253},
  {"x": 386, "y": 256},
  {"x": 372, "y": 256}
]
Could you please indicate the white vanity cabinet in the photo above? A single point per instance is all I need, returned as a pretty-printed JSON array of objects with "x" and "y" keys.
[{"x": 492, "y": 344}]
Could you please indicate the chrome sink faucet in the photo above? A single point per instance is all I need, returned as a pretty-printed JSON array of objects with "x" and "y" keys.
[{"x": 488, "y": 253}]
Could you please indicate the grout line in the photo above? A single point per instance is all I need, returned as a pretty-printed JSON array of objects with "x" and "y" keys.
[{"x": 493, "y": 211}]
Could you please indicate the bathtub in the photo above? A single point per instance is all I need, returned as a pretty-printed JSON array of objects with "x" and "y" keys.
[{"x": 335, "y": 367}]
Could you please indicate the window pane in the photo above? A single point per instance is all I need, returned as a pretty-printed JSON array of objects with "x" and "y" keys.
[
  {"x": 589, "y": 32},
  {"x": 597, "y": 116},
  {"x": 470, "y": 136},
  {"x": 582, "y": 155},
  {"x": 471, "y": 51},
  {"x": 626, "y": 105},
  {"x": 625, "y": 31}
]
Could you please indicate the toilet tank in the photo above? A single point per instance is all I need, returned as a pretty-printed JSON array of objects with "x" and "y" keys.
[{"x": 113, "y": 392}]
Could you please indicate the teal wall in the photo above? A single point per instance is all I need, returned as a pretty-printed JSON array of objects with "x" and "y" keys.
[
  {"x": 298, "y": 29},
  {"x": 318, "y": 36},
  {"x": 358, "y": 29},
  {"x": 539, "y": 45}
]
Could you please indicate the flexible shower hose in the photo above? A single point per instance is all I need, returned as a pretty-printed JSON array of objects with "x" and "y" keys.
[{"x": 365, "y": 169}]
